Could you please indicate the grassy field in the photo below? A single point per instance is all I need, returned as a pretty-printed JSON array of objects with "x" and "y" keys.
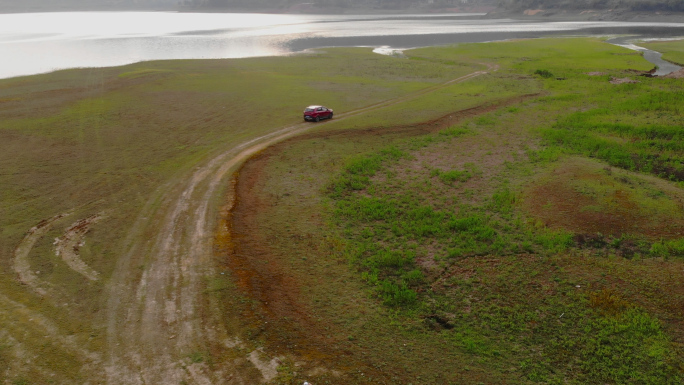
[
  {"x": 539, "y": 242},
  {"x": 516, "y": 228},
  {"x": 111, "y": 141}
]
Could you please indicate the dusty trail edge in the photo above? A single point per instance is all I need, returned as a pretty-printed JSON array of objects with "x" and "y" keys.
[{"x": 155, "y": 318}]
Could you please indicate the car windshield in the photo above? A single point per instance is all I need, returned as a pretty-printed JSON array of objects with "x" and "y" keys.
[{"x": 309, "y": 109}]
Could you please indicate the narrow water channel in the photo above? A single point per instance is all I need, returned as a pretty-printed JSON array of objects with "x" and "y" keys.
[{"x": 663, "y": 67}]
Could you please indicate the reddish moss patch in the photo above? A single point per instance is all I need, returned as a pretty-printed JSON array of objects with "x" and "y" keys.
[{"x": 585, "y": 197}]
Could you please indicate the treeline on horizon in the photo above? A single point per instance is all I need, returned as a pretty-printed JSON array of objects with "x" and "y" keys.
[{"x": 632, "y": 5}]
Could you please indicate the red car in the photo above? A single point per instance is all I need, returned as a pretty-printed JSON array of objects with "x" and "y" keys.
[{"x": 316, "y": 113}]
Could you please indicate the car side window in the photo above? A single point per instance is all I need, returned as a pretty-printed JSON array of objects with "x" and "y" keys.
[{"x": 319, "y": 109}]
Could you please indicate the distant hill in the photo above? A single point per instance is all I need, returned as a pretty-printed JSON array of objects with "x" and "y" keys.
[
  {"x": 628, "y": 10},
  {"x": 633, "y": 5}
]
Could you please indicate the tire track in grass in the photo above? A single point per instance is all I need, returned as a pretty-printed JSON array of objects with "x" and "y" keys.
[
  {"x": 67, "y": 246},
  {"x": 37, "y": 322},
  {"x": 157, "y": 327},
  {"x": 38, "y": 325},
  {"x": 21, "y": 262}
]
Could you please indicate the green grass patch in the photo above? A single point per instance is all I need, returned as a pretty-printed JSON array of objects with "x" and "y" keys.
[
  {"x": 143, "y": 72},
  {"x": 389, "y": 233},
  {"x": 647, "y": 145},
  {"x": 673, "y": 51},
  {"x": 481, "y": 271}
]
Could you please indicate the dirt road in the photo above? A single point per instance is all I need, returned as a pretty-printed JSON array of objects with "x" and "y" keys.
[{"x": 159, "y": 321}]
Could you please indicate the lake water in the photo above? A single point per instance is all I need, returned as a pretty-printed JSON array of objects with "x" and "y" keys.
[{"x": 43, "y": 42}]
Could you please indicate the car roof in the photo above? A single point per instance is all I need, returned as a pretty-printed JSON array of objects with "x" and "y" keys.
[{"x": 314, "y": 106}]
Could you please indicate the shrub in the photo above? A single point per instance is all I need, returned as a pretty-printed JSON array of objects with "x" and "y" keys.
[
  {"x": 503, "y": 200},
  {"x": 397, "y": 295},
  {"x": 671, "y": 248},
  {"x": 414, "y": 277},
  {"x": 395, "y": 259},
  {"x": 454, "y": 132},
  {"x": 449, "y": 177},
  {"x": 543, "y": 73}
]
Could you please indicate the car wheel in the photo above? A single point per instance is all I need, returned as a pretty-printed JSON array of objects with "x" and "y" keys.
[
  {"x": 331, "y": 115},
  {"x": 317, "y": 119}
]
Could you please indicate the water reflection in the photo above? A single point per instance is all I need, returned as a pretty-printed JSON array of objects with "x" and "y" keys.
[{"x": 35, "y": 43}]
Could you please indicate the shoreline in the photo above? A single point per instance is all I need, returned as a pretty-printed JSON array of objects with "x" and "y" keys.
[
  {"x": 483, "y": 12},
  {"x": 297, "y": 42}
]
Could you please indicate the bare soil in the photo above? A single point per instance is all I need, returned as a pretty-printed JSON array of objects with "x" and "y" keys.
[
  {"x": 615, "y": 80},
  {"x": 559, "y": 202},
  {"x": 67, "y": 246},
  {"x": 676, "y": 75}
]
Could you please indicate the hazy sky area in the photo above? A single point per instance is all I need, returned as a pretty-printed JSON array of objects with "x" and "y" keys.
[
  {"x": 307, "y": 6},
  {"x": 85, "y": 5}
]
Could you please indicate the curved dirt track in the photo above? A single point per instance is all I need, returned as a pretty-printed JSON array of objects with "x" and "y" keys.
[
  {"x": 67, "y": 246},
  {"x": 21, "y": 253},
  {"x": 158, "y": 320}
]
